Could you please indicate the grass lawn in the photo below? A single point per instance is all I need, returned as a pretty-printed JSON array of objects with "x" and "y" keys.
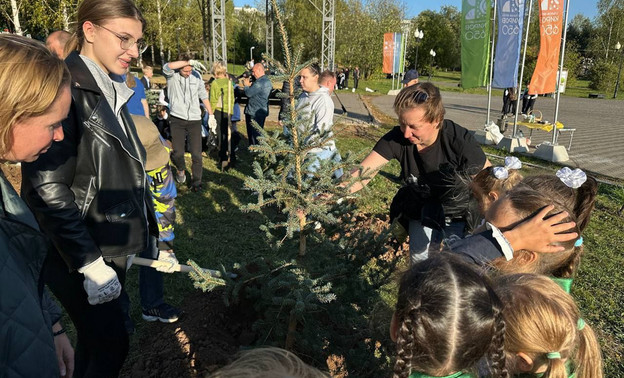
[{"x": 213, "y": 231}]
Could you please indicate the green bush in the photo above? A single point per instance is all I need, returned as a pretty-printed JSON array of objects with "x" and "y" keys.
[{"x": 602, "y": 76}]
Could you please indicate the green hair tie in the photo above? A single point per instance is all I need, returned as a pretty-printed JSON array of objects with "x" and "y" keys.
[
  {"x": 553, "y": 355},
  {"x": 580, "y": 324}
]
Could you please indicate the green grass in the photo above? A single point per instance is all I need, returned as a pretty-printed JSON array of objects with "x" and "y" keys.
[{"x": 213, "y": 231}]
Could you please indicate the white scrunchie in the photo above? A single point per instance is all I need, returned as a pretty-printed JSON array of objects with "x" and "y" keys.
[
  {"x": 572, "y": 178},
  {"x": 511, "y": 162}
]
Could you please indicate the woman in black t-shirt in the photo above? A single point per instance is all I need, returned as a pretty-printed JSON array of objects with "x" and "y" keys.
[{"x": 433, "y": 152}]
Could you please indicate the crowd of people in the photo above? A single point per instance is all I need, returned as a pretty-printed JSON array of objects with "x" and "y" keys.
[{"x": 487, "y": 292}]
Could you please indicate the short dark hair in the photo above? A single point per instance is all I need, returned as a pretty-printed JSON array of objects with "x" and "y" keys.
[{"x": 314, "y": 68}]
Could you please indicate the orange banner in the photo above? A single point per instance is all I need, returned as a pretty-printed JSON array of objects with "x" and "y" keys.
[
  {"x": 388, "y": 52},
  {"x": 544, "y": 78}
]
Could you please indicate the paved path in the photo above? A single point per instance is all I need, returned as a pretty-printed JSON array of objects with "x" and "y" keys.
[{"x": 598, "y": 143}]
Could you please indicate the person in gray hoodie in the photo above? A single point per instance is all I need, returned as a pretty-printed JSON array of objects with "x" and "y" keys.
[{"x": 316, "y": 106}]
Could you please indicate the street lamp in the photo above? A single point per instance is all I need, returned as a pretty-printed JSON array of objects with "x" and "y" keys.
[
  {"x": 617, "y": 83},
  {"x": 419, "y": 36},
  {"x": 251, "y": 53}
]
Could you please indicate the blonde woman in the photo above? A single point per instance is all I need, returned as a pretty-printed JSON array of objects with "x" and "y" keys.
[
  {"x": 90, "y": 193},
  {"x": 222, "y": 102},
  {"x": 32, "y": 106}
]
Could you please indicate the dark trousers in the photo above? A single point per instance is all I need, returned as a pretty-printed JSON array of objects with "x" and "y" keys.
[
  {"x": 527, "y": 105},
  {"x": 252, "y": 133},
  {"x": 103, "y": 342},
  {"x": 180, "y": 131},
  {"x": 151, "y": 286},
  {"x": 355, "y": 82}
]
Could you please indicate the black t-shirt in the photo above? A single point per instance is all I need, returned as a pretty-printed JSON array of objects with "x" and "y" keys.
[{"x": 453, "y": 156}]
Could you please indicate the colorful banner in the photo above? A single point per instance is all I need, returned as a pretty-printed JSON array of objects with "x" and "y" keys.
[
  {"x": 475, "y": 39},
  {"x": 507, "y": 58},
  {"x": 544, "y": 78},
  {"x": 393, "y": 52},
  {"x": 388, "y": 52}
]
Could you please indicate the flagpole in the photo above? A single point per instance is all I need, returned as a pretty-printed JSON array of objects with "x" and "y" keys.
[
  {"x": 487, "y": 122},
  {"x": 565, "y": 32},
  {"x": 526, "y": 39}
]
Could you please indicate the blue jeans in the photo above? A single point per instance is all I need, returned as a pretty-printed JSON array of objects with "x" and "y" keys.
[
  {"x": 151, "y": 286},
  {"x": 252, "y": 133},
  {"x": 422, "y": 237}
]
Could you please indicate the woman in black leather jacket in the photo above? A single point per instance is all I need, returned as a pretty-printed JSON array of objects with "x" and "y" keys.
[
  {"x": 89, "y": 191},
  {"x": 32, "y": 105}
]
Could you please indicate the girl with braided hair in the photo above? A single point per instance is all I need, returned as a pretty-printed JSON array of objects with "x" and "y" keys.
[
  {"x": 545, "y": 335},
  {"x": 494, "y": 182},
  {"x": 447, "y": 318}
]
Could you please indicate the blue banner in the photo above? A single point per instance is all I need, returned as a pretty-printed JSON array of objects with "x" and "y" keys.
[
  {"x": 398, "y": 53},
  {"x": 507, "y": 58}
]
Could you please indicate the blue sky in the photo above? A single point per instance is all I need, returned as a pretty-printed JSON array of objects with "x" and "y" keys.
[{"x": 413, "y": 7}]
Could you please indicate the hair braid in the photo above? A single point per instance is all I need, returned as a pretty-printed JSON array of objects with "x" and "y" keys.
[
  {"x": 585, "y": 201},
  {"x": 405, "y": 349},
  {"x": 497, "y": 351}
]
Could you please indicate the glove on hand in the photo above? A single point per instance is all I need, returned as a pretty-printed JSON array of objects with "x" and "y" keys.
[
  {"x": 168, "y": 257},
  {"x": 197, "y": 66},
  {"x": 212, "y": 124},
  {"x": 101, "y": 282}
]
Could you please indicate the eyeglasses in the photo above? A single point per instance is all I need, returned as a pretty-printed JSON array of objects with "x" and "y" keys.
[{"x": 126, "y": 42}]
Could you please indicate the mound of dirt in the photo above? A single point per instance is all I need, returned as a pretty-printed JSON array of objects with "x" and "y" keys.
[{"x": 206, "y": 337}]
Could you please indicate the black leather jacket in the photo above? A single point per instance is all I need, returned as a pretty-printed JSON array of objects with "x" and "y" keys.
[{"x": 89, "y": 192}]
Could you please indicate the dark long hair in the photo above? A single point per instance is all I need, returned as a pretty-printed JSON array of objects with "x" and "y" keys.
[{"x": 448, "y": 318}]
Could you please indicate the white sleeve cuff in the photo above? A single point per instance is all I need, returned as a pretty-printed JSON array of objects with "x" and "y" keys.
[{"x": 502, "y": 241}]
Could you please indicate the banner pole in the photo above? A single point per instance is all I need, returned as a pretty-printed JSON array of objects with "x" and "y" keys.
[
  {"x": 526, "y": 40},
  {"x": 563, "y": 44},
  {"x": 487, "y": 122}
]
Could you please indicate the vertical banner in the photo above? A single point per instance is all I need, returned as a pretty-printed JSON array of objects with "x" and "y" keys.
[
  {"x": 510, "y": 23},
  {"x": 475, "y": 39},
  {"x": 399, "y": 50},
  {"x": 544, "y": 78},
  {"x": 388, "y": 52}
]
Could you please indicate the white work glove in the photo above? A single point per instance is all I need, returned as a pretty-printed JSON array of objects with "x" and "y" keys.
[
  {"x": 197, "y": 66},
  {"x": 101, "y": 282},
  {"x": 167, "y": 257},
  {"x": 212, "y": 124}
]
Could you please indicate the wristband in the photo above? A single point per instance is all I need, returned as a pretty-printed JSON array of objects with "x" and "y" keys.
[{"x": 59, "y": 332}]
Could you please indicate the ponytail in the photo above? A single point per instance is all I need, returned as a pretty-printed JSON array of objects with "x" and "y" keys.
[
  {"x": 556, "y": 366},
  {"x": 585, "y": 201},
  {"x": 73, "y": 43},
  {"x": 588, "y": 358}
]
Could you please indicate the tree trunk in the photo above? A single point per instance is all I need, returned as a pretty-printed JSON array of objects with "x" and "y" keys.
[
  {"x": 160, "y": 35},
  {"x": 292, "y": 328},
  {"x": 152, "y": 48},
  {"x": 15, "y": 17},
  {"x": 65, "y": 16}
]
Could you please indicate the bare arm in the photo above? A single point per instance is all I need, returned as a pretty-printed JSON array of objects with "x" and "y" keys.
[
  {"x": 145, "y": 107},
  {"x": 178, "y": 64},
  {"x": 369, "y": 167}
]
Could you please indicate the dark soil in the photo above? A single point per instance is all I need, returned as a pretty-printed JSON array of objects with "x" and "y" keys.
[{"x": 206, "y": 337}]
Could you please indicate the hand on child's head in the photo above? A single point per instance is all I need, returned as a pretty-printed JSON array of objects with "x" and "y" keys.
[{"x": 543, "y": 234}]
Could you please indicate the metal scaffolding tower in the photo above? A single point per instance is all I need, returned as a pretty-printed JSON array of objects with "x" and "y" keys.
[
  {"x": 270, "y": 21},
  {"x": 328, "y": 49},
  {"x": 219, "y": 41}
]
